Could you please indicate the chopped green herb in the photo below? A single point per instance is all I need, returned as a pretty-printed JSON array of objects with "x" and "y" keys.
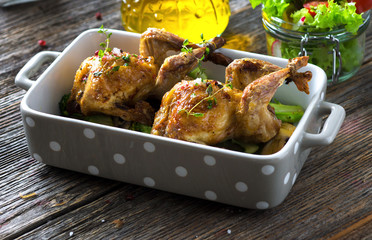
[
  {"x": 210, "y": 104},
  {"x": 209, "y": 90},
  {"x": 185, "y": 48},
  {"x": 207, "y": 50},
  {"x": 97, "y": 74},
  {"x": 115, "y": 69},
  {"x": 197, "y": 114},
  {"x": 229, "y": 85},
  {"x": 126, "y": 58}
]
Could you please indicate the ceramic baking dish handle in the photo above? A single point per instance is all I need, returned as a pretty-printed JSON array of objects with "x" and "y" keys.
[
  {"x": 330, "y": 128},
  {"x": 32, "y": 66}
]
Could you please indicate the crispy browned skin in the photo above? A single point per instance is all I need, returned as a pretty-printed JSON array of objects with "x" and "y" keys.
[
  {"x": 256, "y": 122},
  {"x": 173, "y": 121},
  {"x": 156, "y": 43},
  {"x": 301, "y": 79},
  {"x": 112, "y": 85},
  {"x": 174, "y": 69},
  {"x": 242, "y": 72},
  {"x": 192, "y": 113},
  {"x": 119, "y": 82}
]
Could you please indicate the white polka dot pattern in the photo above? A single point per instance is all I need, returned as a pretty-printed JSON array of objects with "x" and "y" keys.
[
  {"x": 89, "y": 133},
  {"x": 37, "y": 157},
  {"x": 181, "y": 171},
  {"x": 268, "y": 169},
  {"x": 149, "y": 181},
  {"x": 119, "y": 158},
  {"x": 149, "y": 147},
  {"x": 93, "y": 170},
  {"x": 286, "y": 178},
  {"x": 55, "y": 146},
  {"x": 294, "y": 178},
  {"x": 241, "y": 187},
  {"x": 30, "y": 122},
  {"x": 262, "y": 205},
  {"x": 209, "y": 160},
  {"x": 210, "y": 195},
  {"x": 238, "y": 189},
  {"x": 296, "y": 146}
]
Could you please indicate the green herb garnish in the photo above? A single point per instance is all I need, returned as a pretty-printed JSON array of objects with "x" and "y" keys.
[
  {"x": 126, "y": 58},
  {"x": 211, "y": 100},
  {"x": 114, "y": 69},
  {"x": 185, "y": 48},
  {"x": 105, "y": 44},
  {"x": 97, "y": 74}
]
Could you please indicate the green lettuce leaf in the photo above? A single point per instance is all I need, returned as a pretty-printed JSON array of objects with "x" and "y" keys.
[
  {"x": 273, "y": 8},
  {"x": 336, "y": 14}
]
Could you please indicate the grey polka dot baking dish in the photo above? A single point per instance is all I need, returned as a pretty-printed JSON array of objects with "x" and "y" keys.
[{"x": 216, "y": 174}]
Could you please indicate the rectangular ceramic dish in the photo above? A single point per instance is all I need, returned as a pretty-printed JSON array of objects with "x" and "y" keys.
[{"x": 235, "y": 178}]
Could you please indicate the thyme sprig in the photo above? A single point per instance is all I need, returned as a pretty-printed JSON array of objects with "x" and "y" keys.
[
  {"x": 105, "y": 44},
  {"x": 211, "y": 100},
  {"x": 200, "y": 72}
]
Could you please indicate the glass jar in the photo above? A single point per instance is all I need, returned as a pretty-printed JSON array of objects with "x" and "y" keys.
[
  {"x": 188, "y": 19},
  {"x": 338, "y": 52}
]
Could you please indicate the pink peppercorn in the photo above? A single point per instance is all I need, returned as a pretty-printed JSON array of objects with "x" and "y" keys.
[
  {"x": 98, "y": 16},
  {"x": 41, "y": 43}
]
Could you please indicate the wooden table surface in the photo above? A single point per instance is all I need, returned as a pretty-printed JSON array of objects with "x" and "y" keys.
[{"x": 331, "y": 197}]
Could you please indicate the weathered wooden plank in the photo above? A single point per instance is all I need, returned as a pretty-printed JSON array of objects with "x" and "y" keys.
[{"x": 56, "y": 192}]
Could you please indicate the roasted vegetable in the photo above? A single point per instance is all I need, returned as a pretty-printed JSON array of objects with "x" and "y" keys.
[
  {"x": 139, "y": 127},
  {"x": 235, "y": 145},
  {"x": 99, "y": 118},
  {"x": 197, "y": 72},
  {"x": 288, "y": 113},
  {"x": 278, "y": 142}
]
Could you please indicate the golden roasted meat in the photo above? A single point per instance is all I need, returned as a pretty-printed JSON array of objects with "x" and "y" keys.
[
  {"x": 158, "y": 42},
  {"x": 118, "y": 82},
  {"x": 190, "y": 112},
  {"x": 113, "y": 84},
  {"x": 209, "y": 112},
  {"x": 257, "y": 122},
  {"x": 242, "y": 72}
]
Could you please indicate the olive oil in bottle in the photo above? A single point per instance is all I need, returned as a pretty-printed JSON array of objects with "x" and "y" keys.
[{"x": 188, "y": 19}]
